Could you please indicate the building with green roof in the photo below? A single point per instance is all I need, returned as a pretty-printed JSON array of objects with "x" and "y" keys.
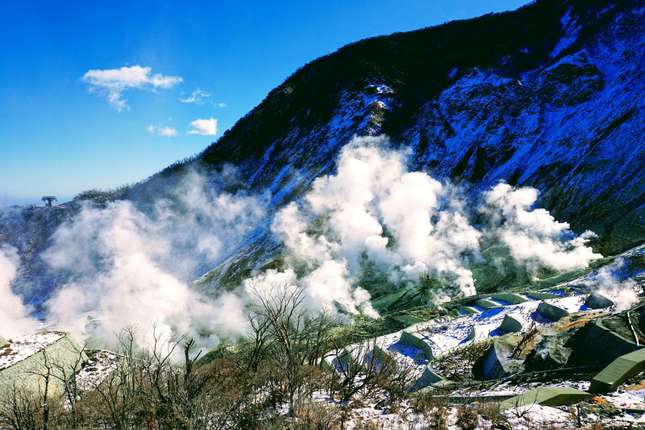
[
  {"x": 24, "y": 361},
  {"x": 618, "y": 371}
]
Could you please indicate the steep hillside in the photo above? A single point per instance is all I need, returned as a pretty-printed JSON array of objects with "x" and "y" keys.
[{"x": 547, "y": 96}]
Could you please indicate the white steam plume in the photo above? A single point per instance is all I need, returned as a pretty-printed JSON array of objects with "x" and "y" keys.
[
  {"x": 533, "y": 237},
  {"x": 133, "y": 269},
  {"x": 130, "y": 269},
  {"x": 14, "y": 315},
  {"x": 406, "y": 222},
  {"x": 409, "y": 224},
  {"x": 623, "y": 292}
]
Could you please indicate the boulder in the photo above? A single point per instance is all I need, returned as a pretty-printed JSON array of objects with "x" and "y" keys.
[
  {"x": 546, "y": 396},
  {"x": 356, "y": 356},
  {"x": 618, "y": 371},
  {"x": 468, "y": 310},
  {"x": 551, "y": 312},
  {"x": 598, "y": 301},
  {"x": 476, "y": 332},
  {"x": 541, "y": 295},
  {"x": 551, "y": 353},
  {"x": 342, "y": 361},
  {"x": 487, "y": 304},
  {"x": 510, "y": 298},
  {"x": 600, "y": 342}
]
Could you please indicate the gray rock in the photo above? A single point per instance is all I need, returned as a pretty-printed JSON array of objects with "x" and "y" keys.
[
  {"x": 427, "y": 378},
  {"x": 511, "y": 323}
]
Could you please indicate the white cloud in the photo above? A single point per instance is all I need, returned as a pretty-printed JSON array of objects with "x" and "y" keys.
[
  {"x": 204, "y": 127},
  {"x": 112, "y": 83},
  {"x": 220, "y": 104},
  {"x": 197, "y": 97},
  {"x": 164, "y": 131}
]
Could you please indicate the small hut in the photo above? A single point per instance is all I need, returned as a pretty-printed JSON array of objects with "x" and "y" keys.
[{"x": 26, "y": 360}]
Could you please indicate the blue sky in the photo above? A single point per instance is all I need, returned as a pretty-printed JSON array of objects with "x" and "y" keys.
[{"x": 90, "y": 92}]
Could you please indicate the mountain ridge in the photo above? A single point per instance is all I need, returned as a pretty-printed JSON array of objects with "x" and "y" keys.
[
  {"x": 252, "y": 138},
  {"x": 544, "y": 96}
]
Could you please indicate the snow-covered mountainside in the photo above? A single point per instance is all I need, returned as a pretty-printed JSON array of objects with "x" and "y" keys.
[{"x": 548, "y": 96}]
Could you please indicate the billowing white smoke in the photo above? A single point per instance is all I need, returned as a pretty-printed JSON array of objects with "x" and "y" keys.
[
  {"x": 607, "y": 282},
  {"x": 14, "y": 315},
  {"x": 373, "y": 207},
  {"x": 133, "y": 270},
  {"x": 533, "y": 237},
  {"x": 408, "y": 224}
]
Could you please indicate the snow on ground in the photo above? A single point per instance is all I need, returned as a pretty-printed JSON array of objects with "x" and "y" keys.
[
  {"x": 445, "y": 334},
  {"x": 23, "y": 347},
  {"x": 569, "y": 34},
  {"x": 537, "y": 416},
  {"x": 627, "y": 399}
]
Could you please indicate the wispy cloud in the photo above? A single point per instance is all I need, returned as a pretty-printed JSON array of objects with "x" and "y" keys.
[
  {"x": 164, "y": 130},
  {"x": 220, "y": 104},
  {"x": 197, "y": 97},
  {"x": 203, "y": 127},
  {"x": 112, "y": 83}
]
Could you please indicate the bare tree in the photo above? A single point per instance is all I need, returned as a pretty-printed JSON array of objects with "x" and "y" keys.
[
  {"x": 290, "y": 339},
  {"x": 19, "y": 409},
  {"x": 66, "y": 376},
  {"x": 364, "y": 371}
]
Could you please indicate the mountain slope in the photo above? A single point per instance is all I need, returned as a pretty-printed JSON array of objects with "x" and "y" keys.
[{"x": 546, "y": 96}]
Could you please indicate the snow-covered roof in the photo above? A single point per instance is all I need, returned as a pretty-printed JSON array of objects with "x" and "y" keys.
[{"x": 20, "y": 348}]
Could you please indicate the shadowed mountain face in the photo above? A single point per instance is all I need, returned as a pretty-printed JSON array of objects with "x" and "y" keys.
[{"x": 547, "y": 96}]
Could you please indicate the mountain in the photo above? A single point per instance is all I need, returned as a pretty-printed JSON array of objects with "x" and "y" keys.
[{"x": 547, "y": 96}]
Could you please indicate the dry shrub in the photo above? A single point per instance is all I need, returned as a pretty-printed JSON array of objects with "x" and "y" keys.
[
  {"x": 433, "y": 410},
  {"x": 458, "y": 364},
  {"x": 493, "y": 413},
  {"x": 467, "y": 418},
  {"x": 317, "y": 416}
]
